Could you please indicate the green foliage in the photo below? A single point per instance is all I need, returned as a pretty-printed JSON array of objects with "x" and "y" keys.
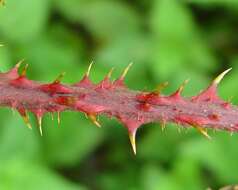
[{"x": 167, "y": 40}]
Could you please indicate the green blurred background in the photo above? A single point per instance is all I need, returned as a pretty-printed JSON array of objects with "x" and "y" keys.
[{"x": 167, "y": 40}]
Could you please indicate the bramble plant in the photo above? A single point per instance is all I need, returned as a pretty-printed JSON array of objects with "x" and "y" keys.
[
  {"x": 113, "y": 98},
  {"x": 168, "y": 41}
]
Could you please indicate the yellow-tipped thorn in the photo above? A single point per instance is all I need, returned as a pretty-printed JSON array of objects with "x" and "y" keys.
[
  {"x": 126, "y": 71},
  {"x": 132, "y": 137},
  {"x": 93, "y": 118},
  {"x": 24, "y": 70},
  {"x": 160, "y": 87},
  {"x": 60, "y": 77},
  {"x": 110, "y": 73},
  {"x": 163, "y": 125},
  {"x": 220, "y": 77},
  {"x": 40, "y": 125},
  {"x": 89, "y": 69},
  {"x": 179, "y": 129},
  {"x": 27, "y": 122},
  {"x": 203, "y": 132},
  {"x": 183, "y": 85},
  {"x": 52, "y": 116},
  {"x": 19, "y": 63},
  {"x": 58, "y": 118},
  {"x": 13, "y": 111}
]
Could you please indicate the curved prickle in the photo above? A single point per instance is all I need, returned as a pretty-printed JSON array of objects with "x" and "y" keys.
[
  {"x": 23, "y": 73},
  {"x": 218, "y": 79},
  {"x": 132, "y": 137},
  {"x": 59, "y": 78}
]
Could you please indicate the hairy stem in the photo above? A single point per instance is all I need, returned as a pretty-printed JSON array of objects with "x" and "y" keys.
[{"x": 132, "y": 108}]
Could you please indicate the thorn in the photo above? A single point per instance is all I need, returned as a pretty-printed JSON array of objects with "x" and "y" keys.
[
  {"x": 160, "y": 87},
  {"x": 93, "y": 118},
  {"x": 125, "y": 71},
  {"x": 59, "y": 78},
  {"x": 105, "y": 83},
  {"x": 25, "y": 117},
  {"x": 39, "y": 118},
  {"x": 89, "y": 69},
  {"x": 182, "y": 86},
  {"x": 86, "y": 115},
  {"x": 179, "y": 129},
  {"x": 58, "y": 118},
  {"x": 132, "y": 137},
  {"x": 218, "y": 79},
  {"x": 202, "y": 131},
  {"x": 24, "y": 71},
  {"x": 26, "y": 120},
  {"x": 163, "y": 124},
  {"x": 19, "y": 63},
  {"x": 186, "y": 130},
  {"x": 13, "y": 111},
  {"x": 110, "y": 73}
]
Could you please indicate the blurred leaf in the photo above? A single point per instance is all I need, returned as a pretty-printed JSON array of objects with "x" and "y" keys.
[
  {"x": 22, "y": 21},
  {"x": 218, "y": 156},
  {"x": 17, "y": 141},
  {"x": 93, "y": 14},
  {"x": 57, "y": 51},
  {"x": 187, "y": 173},
  {"x": 162, "y": 140},
  {"x": 176, "y": 44},
  {"x": 233, "y": 5},
  {"x": 122, "y": 51},
  {"x": 125, "y": 177},
  {"x": 20, "y": 174},
  {"x": 72, "y": 9},
  {"x": 74, "y": 140},
  {"x": 153, "y": 178},
  {"x": 5, "y": 59}
]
